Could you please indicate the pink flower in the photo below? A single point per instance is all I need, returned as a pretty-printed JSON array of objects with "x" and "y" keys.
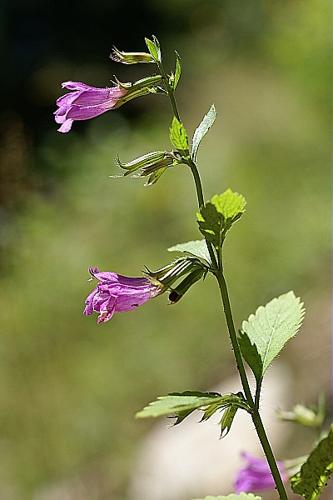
[
  {"x": 117, "y": 293},
  {"x": 256, "y": 475},
  {"x": 85, "y": 102}
]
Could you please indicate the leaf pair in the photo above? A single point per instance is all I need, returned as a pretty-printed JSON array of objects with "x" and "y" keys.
[
  {"x": 178, "y": 134},
  {"x": 181, "y": 405}
]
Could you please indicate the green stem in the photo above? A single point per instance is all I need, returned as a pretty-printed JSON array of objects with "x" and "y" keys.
[
  {"x": 169, "y": 90},
  {"x": 201, "y": 202},
  {"x": 187, "y": 160},
  {"x": 269, "y": 455},
  {"x": 233, "y": 336},
  {"x": 218, "y": 271},
  {"x": 256, "y": 418},
  {"x": 258, "y": 390}
]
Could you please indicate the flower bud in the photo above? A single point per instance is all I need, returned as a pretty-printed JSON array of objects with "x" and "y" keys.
[
  {"x": 131, "y": 57},
  {"x": 177, "y": 293},
  {"x": 151, "y": 165},
  {"x": 148, "y": 162}
]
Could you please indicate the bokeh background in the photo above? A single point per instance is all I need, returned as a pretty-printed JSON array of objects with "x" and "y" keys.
[{"x": 68, "y": 388}]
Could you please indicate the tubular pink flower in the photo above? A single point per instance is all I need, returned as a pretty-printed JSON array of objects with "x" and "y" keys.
[
  {"x": 117, "y": 293},
  {"x": 256, "y": 475},
  {"x": 85, "y": 102}
]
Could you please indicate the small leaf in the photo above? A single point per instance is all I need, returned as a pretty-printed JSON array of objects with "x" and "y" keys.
[
  {"x": 316, "y": 471},
  {"x": 178, "y": 135},
  {"x": 265, "y": 333},
  {"x": 154, "y": 48},
  {"x": 180, "y": 405},
  {"x": 202, "y": 130},
  {"x": 198, "y": 248},
  {"x": 232, "y": 496},
  {"x": 217, "y": 216},
  {"x": 178, "y": 72}
]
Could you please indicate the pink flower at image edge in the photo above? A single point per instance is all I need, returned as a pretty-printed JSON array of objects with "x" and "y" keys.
[
  {"x": 117, "y": 293},
  {"x": 256, "y": 475},
  {"x": 85, "y": 102}
]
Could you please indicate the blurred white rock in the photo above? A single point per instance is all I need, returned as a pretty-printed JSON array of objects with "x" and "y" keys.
[{"x": 190, "y": 461}]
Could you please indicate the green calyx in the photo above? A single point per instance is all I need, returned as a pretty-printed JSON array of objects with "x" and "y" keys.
[
  {"x": 151, "y": 165},
  {"x": 168, "y": 275},
  {"x": 179, "y": 291},
  {"x": 130, "y": 57}
]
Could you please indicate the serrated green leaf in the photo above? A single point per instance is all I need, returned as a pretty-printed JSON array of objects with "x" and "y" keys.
[
  {"x": 202, "y": 130},
  {"x": 230, "y": 204},
  {"x": 232, "y": 496},
  {"x": 181, "y": 405},
  {"x": 178, "y": 135},
  {"x": 316, "y": 471},
  {"x": 197, "y": 248},
  {"x": 154, "y": 48},
  {"x": 265, "y": 333},
  {"x": 217, "y": 215},
  {"x": 176, "y": 402}
]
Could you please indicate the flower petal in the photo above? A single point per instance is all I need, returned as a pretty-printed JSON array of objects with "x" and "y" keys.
[
  {"x": 108, "y": 311},
  {"x": 85, "y": 113},
  {"x": 66, "y": 126},
  {"x": 76, "y": 86},
  {"x": 67, "y": 98},
  {"x": 93, "y": 97}
]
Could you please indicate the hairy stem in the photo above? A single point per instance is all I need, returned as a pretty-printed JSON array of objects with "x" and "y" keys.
[
  {"x": 256, "y": 418},
  {"x": 233, "y": 336},
  {"x": 196, "y": 176},
  {"x": 258, "y": 390},
  {"x": 169, "y": 90},
  {"x": 218, "y": 271},
  {"x": 201, "y": 202}
]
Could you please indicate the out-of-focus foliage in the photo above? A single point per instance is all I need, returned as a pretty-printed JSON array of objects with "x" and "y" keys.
[
  {"x": 316, "y": 471},
  {"x": 69, "y": 388}
]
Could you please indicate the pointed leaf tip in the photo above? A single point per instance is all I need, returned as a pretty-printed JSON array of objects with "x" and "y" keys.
[{"x": 206, "y": 123}]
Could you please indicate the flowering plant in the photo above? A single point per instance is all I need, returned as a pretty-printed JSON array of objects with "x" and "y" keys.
[{"x": 261, "y": 337}]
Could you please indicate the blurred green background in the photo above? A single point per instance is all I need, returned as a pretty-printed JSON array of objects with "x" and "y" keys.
[{"x": 69, "y": 388}]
